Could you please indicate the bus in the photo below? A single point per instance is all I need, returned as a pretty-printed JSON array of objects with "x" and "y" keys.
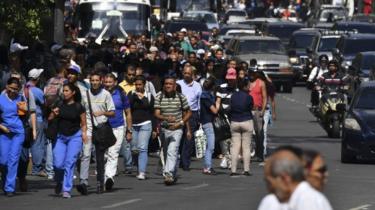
[{"x": 105, "y": 18}]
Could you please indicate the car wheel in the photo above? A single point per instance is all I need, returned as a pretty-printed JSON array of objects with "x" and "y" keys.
[
  {"x": 346, "y": 157},
  {"x": 335, "y": 131}
]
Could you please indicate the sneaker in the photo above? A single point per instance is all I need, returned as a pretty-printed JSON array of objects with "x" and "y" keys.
[
  {"x": 9, "y": 194},
  {"x": 66, "y": 195},
  {"x": 50, "y": 177},
  {"x": 127, "y": 172},
  {"x": 82, "y": 188},
  {"x": 262, "y": 163},
  {"x": 168, "y": 179},
  {"x": 224, "y": 163},
  {"x": 246, "y": 173},
  {"x": 141, "y": 176},
  {"x": 209, "y": 171},
  {"x": 109, "y": 184},
  {"x": 58, "y": 188}
]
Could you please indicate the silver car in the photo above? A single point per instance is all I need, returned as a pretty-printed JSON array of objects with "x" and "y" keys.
[{"x": 270, "y": 55}]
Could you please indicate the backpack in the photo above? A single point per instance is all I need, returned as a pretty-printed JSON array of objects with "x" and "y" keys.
[{"x": 52, "y": 91}]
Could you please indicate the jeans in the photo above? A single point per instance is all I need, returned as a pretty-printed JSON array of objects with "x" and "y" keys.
[
  {"x": 10, "y": 150},
  {"x": 210, "y": 134},
  {"x": 267, "y": 120},
  {"x": 113, "y": 152},
  {"x": 85, "y": 161},
  {"x": 49, "y": 159},
  {"x": 65, "y": 154},
  {"x": 170, "y": 144},
  {"x": 38, "y": 148},
  {"x": 140, "y": 138},
  {"x": 259, "y": 138},
  {"x": 188, "y": 145},
  {"x": 241, "y": 139},
  {"x": 126, "y": 151}
]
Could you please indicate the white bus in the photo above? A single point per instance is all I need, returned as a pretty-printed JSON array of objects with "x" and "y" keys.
[{"x": 105, "y": 18}]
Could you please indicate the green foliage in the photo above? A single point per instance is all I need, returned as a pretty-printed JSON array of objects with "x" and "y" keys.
[{"x": 23, "y": 17}]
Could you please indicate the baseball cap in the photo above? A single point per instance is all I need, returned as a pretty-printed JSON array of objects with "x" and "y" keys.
[
  {"x": 183, "y": 30},
  {"x": 201, "y": 51},
  {"x": 231, "y": 74},
  {"x": 35, "y": 73},
  {"x": 153, "y": 49},
  {"x": 15, "y": 47},
  {"x": 75, "y": 67}
]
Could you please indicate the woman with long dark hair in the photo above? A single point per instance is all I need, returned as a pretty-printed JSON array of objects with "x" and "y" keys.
[{"x": 71, "y": 133}]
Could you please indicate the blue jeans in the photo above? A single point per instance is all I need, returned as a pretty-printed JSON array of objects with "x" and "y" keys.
[
  {"x": 189, "y": 145},
  {"x": 65, "y": 154},
  {"x": 49, "y": 159},
  {"x": 141, "y": 136},
  {"x": 126, "y": 152},
  {"x": 10, "y": 151},
  {"x": 38, "y": 148},
  {"x": 210, "y": 134}
]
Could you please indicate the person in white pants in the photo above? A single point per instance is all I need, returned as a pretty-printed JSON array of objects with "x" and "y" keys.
[{"x": 118, "y": 125}]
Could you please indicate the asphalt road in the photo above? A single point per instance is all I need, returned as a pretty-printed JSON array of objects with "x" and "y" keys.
[{"x": 350, "y": 187}]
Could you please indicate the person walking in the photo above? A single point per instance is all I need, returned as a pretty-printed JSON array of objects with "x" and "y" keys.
[
  {"x": 12, "y": 134},
  {"x": 192, "y": 90},
  {"x": 102, "y": 108},
  {"x": 72, "y": 131},
  {"x": 118, "y": 125},
  {"x": 173, "y": 110},
  {"x": 241, "y": 127},
  {"x": 142, "y": 109},
  {"x": 209, "y": 108}
]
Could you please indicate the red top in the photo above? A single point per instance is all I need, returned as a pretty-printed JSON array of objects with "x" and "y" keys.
[{"x": 256, "y": 92}]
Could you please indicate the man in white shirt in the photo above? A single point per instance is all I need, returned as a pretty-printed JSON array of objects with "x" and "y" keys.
[{"x": 285, "y": 179}]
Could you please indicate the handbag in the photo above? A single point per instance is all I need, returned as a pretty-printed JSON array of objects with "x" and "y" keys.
[
  {"x": 200, "y": 142},
  {"x": 102, "y": 134},
  {"x": 221, "y": 127}
]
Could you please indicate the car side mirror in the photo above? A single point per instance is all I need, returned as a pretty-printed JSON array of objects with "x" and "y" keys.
[
  {"x": 309, "y": 50},
  {"x": 341, "y": 107},
  {"x": 335, "y": 51}
]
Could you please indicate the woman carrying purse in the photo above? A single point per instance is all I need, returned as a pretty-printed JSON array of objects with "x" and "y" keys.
[{"x": 71, "y": 133}]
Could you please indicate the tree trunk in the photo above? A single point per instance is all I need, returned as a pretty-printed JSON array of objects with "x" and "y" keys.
[{"x": 58, "y": 35}]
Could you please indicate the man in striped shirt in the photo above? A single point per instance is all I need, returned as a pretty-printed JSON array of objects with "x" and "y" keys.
[{"x": 173, "y": 110}]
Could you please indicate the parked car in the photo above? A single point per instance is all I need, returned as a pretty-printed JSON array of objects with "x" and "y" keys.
[
  {"x": 358, "y": 136},
  {"x": 270, "y": 54},
  {"x": 360, "y": 70},
  {"x": 299, "y": 41},
  {"x": 282, "y": 30},
  {"x": 350, "y": 44},
  {"x": 206, "y": 16}
]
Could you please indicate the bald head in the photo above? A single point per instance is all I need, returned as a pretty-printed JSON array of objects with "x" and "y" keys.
[{"x": 286, "y": 163}]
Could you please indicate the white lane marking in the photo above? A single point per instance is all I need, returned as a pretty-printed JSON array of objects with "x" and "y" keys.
[
  {"x": 195, "y": 187},
  {"x": 294, "y": 101},
  {"x": 121, "y": 203},
  {"x": 363, "y": 207}
]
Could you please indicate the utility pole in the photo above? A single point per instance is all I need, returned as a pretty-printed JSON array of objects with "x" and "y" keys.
[{"x": 58, "y": 25}]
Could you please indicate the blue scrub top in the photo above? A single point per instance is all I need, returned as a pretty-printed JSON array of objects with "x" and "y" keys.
[{"x": 9, "y": 115}]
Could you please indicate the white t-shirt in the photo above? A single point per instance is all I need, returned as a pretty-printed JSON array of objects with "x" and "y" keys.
[
  {"x": 306, "y": 197},
  {"x": 270, "y": 202}
]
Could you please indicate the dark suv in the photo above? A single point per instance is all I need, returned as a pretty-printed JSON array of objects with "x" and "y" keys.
[
  {"x": 350, "y": 44},
  {"x": 281, "y": 29},
  {"x": 270, "y": 55}
]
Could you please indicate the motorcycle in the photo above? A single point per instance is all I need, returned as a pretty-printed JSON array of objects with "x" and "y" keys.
[{"x": 331, "y": 111}]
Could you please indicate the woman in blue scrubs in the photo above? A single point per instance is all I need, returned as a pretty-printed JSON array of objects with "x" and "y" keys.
[
  {"x": 71, "y": 131},
  {"x": 12, "y": 134}
]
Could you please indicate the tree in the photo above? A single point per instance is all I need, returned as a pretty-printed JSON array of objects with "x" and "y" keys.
[{"x": 23, "y": 17}]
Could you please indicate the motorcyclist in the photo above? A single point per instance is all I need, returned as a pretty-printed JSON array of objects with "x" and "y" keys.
[
  {"x": 312, "y": 81},
  {"x": 332, "y": 79}
]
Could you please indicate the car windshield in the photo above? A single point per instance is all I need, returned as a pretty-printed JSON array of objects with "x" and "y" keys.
[
  {"x": 261, "y": 47},
  {"x": 208, "y": 18},
  {"x": 283, "y": 32},
  {"x": 358, "y": 45},
  {"x": 368, "y": 62},
  {"x": 177, "y": 26},
  {"x": 327, "y": 44},
  {"x": 366, "y": 99},
  {"x": 336, "y": 14},
  {"x": 301, "y": 41}
]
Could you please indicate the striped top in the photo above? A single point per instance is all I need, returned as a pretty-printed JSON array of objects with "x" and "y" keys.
[{"x": 171, "y": 106}]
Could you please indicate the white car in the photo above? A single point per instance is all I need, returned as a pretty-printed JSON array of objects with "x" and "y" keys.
[
  {"x": 235, "y": 16},
  {"x": 208, "y": 17}
]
